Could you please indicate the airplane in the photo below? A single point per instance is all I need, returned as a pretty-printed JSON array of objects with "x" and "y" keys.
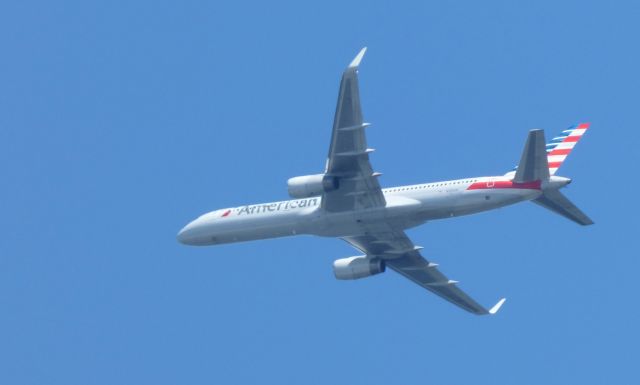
[{"x": 346, "y": 201}]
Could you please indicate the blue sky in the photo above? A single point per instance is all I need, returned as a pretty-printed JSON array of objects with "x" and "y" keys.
[{"x": 121, "y": 121}]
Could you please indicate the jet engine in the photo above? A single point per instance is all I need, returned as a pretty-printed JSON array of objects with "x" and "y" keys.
[
  {"x": 357, "y": 267},
  {"x": 311, "y": 185}
]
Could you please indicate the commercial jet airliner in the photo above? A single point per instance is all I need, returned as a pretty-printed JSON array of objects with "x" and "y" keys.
[{"x": 347, "y": 202}]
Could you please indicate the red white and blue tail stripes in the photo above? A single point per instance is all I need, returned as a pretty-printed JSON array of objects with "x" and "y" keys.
[{"x": 560, "y": 147}]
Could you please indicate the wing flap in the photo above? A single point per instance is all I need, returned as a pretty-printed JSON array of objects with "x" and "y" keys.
[
  {"x": 348, "y": 158},
  {"x": 402, "y": 256},
  {"x": 433, "y": 280}
]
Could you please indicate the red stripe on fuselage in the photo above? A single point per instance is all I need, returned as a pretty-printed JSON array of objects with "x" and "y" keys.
[{"x": 488, "y": 185}]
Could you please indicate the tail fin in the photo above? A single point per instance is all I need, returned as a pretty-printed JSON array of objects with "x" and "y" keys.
[
  {"x": 533, "y": 162},
  {"x": 560, "y": 147},
  {"x": 538, "y": 163},
  {"x": 558, "y": 203}
]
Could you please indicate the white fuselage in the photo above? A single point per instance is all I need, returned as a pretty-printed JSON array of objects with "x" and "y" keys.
[{"x": 407, "y": 206}]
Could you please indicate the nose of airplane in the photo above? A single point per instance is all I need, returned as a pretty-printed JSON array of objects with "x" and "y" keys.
[
  {"x": 183, "y": 235},
  {"x": 187, "y": 234}
]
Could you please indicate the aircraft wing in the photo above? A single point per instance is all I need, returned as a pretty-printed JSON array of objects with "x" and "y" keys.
[
  {"x": 348, "y": 160},
  {"x": 401, "y": 255}
]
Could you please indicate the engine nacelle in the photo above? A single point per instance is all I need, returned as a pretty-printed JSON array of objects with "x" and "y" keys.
[
  {"x": 357, "y": 267},
  {"x": 311, "y": 185}
]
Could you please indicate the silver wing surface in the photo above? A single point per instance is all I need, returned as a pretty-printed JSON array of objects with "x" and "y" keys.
[
  {"x": 401, "y": 255},
  {"x": 359, "y": 189},
  {"x": 348, "y": 160}
]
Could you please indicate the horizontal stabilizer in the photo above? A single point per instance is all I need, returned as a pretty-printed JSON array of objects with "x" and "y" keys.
[{"x": 558, "y": 203}]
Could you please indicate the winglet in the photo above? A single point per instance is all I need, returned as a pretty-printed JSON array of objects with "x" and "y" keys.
[
  {"x": 497, "y": 306},
  {"x": 356, "y": 61}
]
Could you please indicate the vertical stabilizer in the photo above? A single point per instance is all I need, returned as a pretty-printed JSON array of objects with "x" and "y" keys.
[
  {"x": 560, "y": 147},
  {"x": 533, "y": 164}
]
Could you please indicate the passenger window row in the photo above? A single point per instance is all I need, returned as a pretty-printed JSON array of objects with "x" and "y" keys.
[{"x": 430, "y": 185}]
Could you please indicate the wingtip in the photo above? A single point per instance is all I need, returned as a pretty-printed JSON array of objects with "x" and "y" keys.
[
  {"x": 497, "y": 306},
  {"x": 356, "y": 61}
]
